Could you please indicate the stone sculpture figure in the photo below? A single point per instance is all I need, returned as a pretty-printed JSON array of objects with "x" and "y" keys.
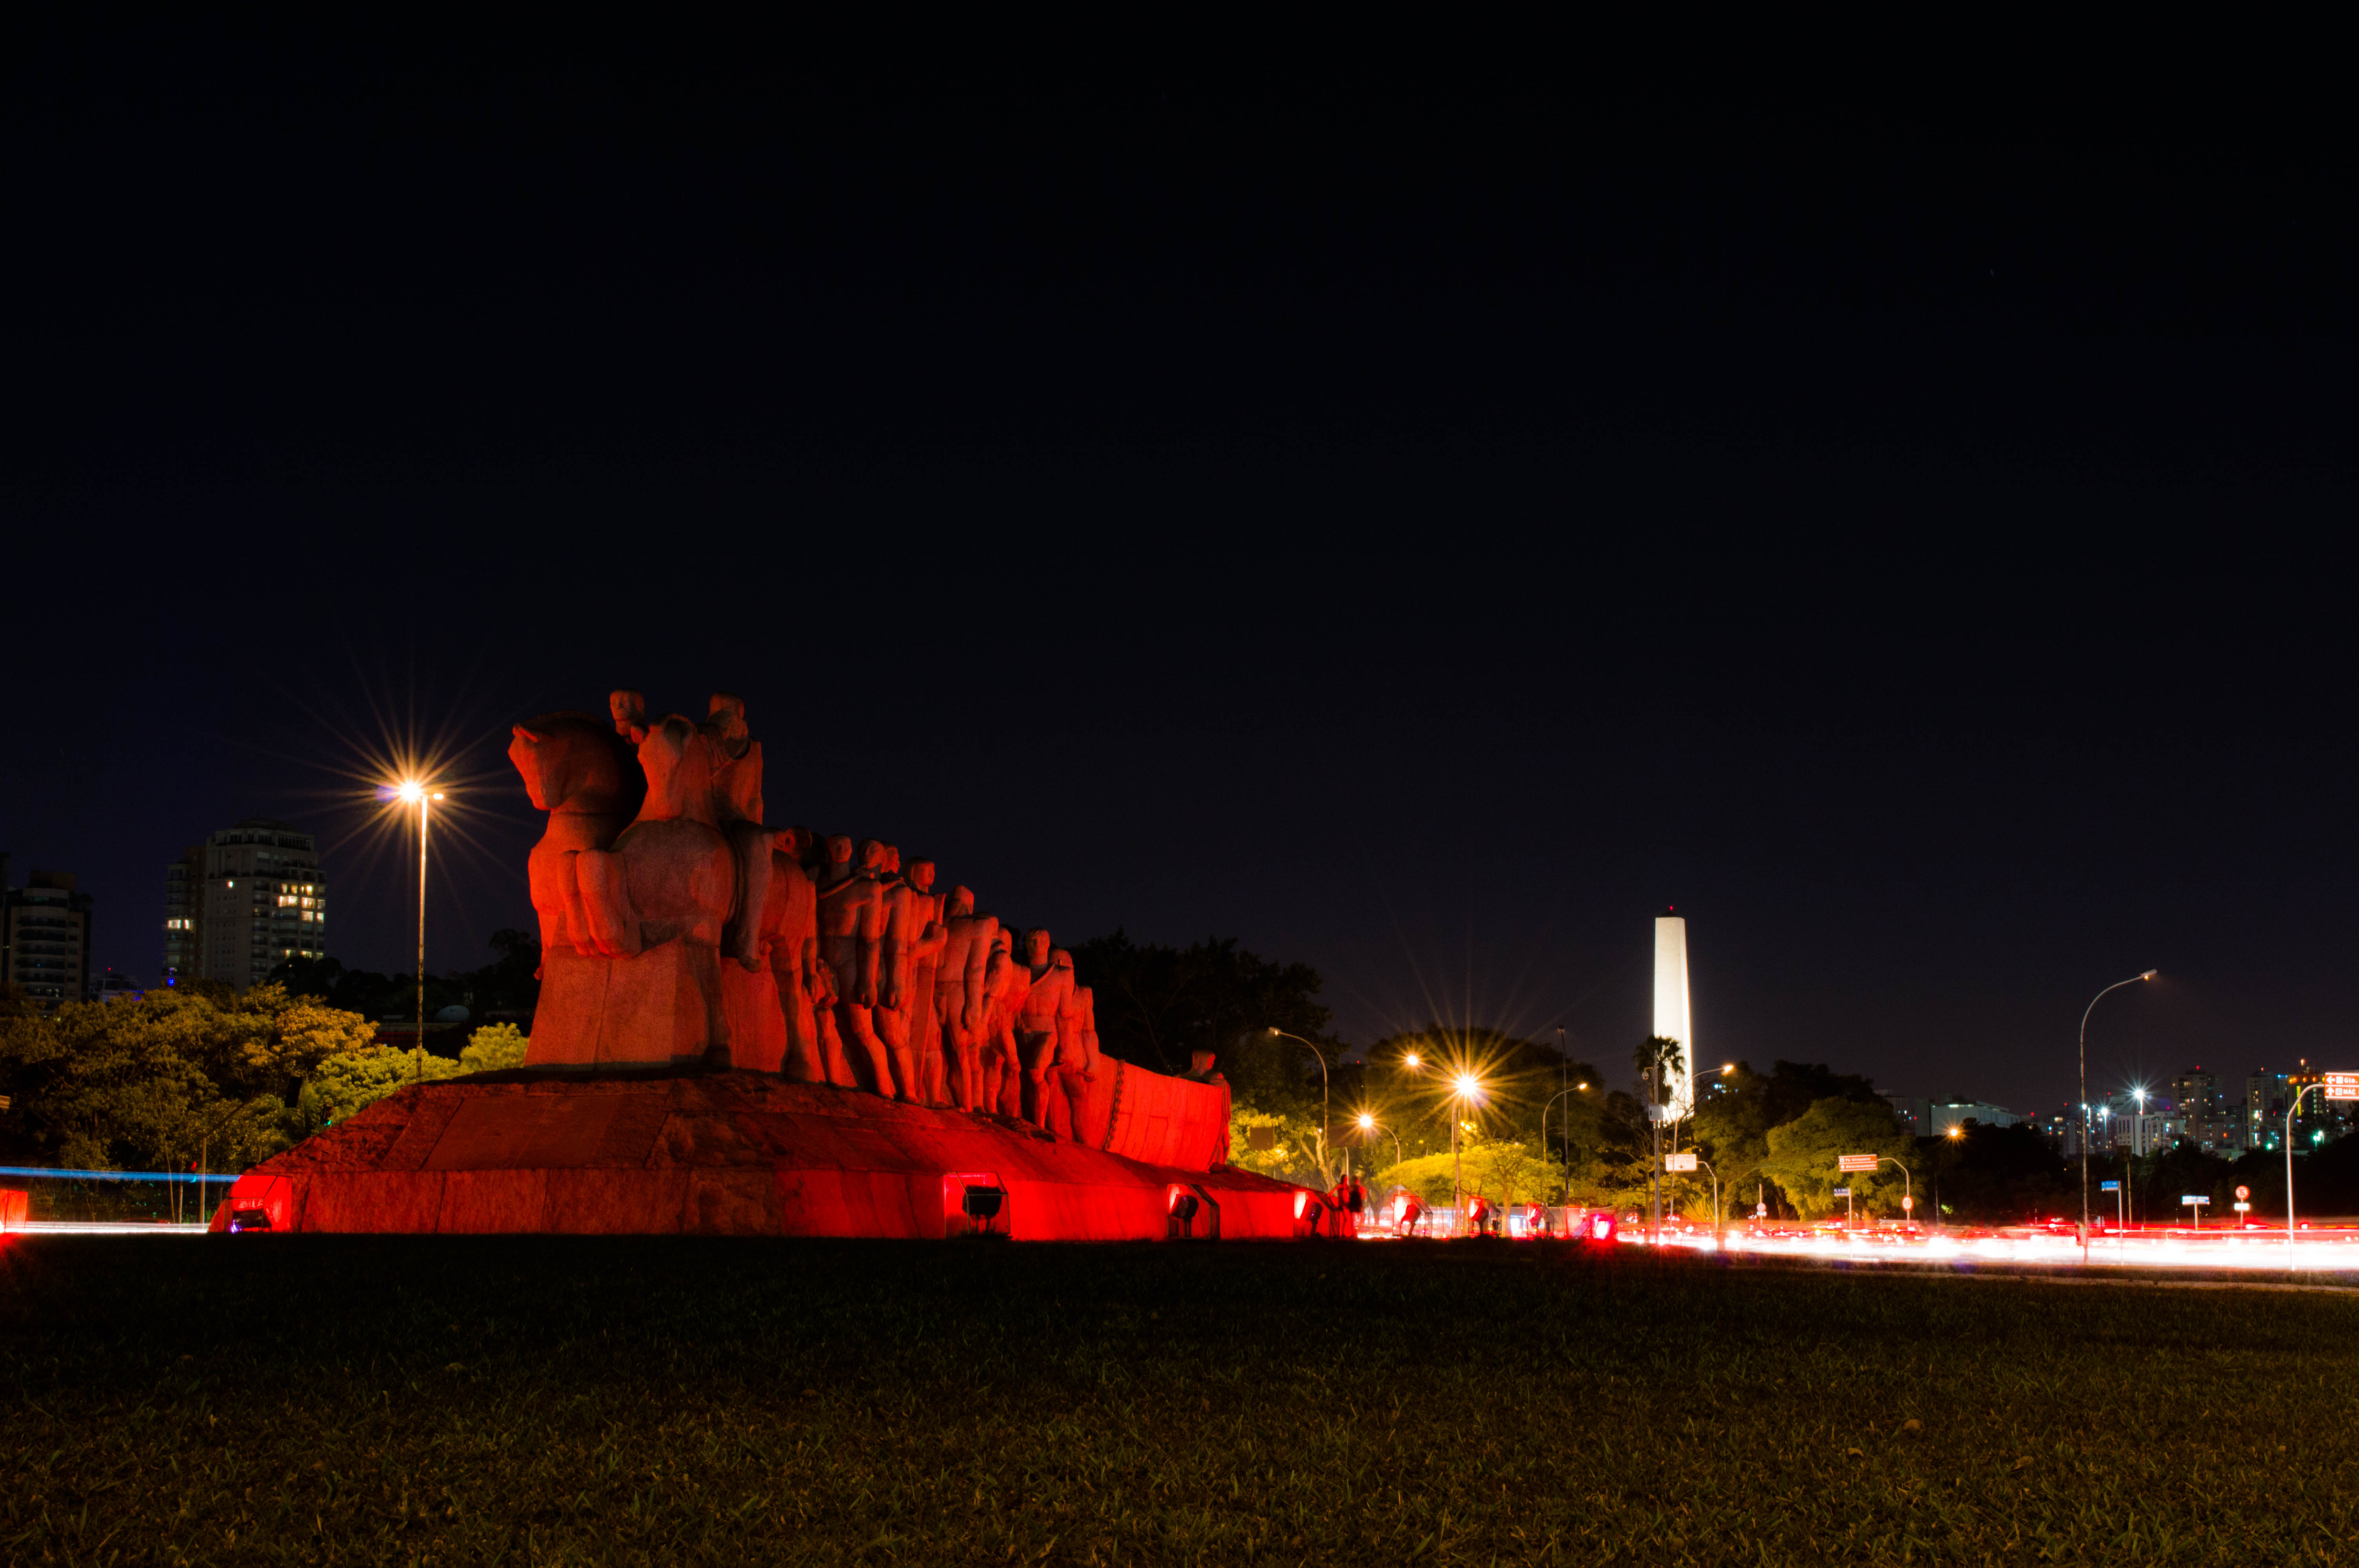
[
  {"x": 790, "y": 939},
  {"x": 961, "y": 1000},
  {"x": 914, "y": 938},
  {"x": 1076, "y": 1050},
  {"x": 629, "y": 710},
  {"x": 850, "y": 942},
  {"x": 651, "y": 905},
  {"x": 1045, "y": 999},
  {"x": 1005, "y": 983},
  {"x": 588, "y": 780},
  {"x": 925, "y": 961},
  {"x": 736, "y": 809},
  {"x": 894, "y": 995}
]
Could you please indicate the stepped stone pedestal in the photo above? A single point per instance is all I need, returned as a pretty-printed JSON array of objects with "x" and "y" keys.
[{"x": 737, "y": 1153}]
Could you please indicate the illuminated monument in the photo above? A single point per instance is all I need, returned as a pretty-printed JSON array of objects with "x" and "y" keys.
[
  {"x": 703, "y": 974},
  {"x": 1674, "y": 1019}
]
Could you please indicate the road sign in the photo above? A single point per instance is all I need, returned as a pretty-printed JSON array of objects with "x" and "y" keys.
[
  {"x": 2194, "y": 1198},
  {"x": 1856, "y": 1162},
  {"x": 2342, "y": 1086},
  {"x": 2243, "y": 1207},
  {"x": 1761, "y": 1211},
  {"x": 1678, "y": 1161},
  {"x": 1843, "y": 1192},
  {"x": 2109, "y": 1186},
  {"x": 1907, "y": 1204},
  {"x": 2244, "y": 1193}
]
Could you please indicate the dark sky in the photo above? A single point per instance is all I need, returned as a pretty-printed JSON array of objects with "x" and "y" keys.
[{"x": 1420, "y": 510}]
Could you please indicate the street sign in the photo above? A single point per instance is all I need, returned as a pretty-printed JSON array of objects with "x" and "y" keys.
[
  {"x": 1761, "y": 1211},
  {"x": 1907, "y": 1204},
  {"x": 2243, "y": 1207},
  {"x": 1843, "y": 1192},
  {"x": 2243, "y": 1193},
  {"x": 2109, "y": 1186},
  {"x": 2194, "y": 1198},
  {"x": 1867, "y": 1161},
  {"x": 2342, "y": 1086},
  {"x": 1678, "y": 1161}
]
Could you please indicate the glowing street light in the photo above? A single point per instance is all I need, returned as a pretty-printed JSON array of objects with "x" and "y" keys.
[
  {"x": 2084, "y": 1099},
  {"x": 1465, "y": 1089},
  {"x": 412, "y": 791},
  {"x": 1370, "y": 1124},
  {"x": 1411, "y": 1062}
]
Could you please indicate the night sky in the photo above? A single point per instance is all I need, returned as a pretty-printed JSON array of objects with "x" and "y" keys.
[{"x": 1420, "y": 511}]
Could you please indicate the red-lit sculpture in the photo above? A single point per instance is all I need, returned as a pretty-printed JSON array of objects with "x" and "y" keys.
[{"x": 701, "y": 976}]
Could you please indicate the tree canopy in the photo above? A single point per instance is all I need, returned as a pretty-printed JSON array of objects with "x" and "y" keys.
[
  {"x": 1802, "y": 1154},
  {"x": 1157, "y": 1004},
  {"x": 151, "y": 1083}
]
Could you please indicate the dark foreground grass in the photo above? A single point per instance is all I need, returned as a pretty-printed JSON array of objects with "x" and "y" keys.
[{"x": 329, "y": 1401}]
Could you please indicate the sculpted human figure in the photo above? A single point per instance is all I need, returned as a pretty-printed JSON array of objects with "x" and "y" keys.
[
  {"x": 904, "y": 921},
  {"x": 914, "y": 939},
  {"x": 629, "y": 710},
  {"x": 961, "y": 1000},
  {"x": 789, "y": 947},
  {"x": 1045, "y": 999},
  {"x": 850, "y": 939},
  {"x": 1006, "y": 982},
  {"x": 1077, "y": 1050}
]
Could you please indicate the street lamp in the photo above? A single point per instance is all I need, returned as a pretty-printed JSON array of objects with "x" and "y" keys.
[
  {"x": 2084, "y": 1099},
  {"x": 412, "y": 792},
  {"x": 1464, "y": 1090},
  {"x": 1277, "y": 1034},
  {"x": 1577, "y": 1088},
  {"x": 1370, "y": 1124}
]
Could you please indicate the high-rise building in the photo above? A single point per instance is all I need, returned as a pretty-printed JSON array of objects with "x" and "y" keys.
[
  {"x": 184, "y": 891},
  {"x": 44, "y": 937},
  {"x": 246, "y": 899},
  {"x": 2206, "y": 1118},
  {"x": 1674, "y": 1019}
]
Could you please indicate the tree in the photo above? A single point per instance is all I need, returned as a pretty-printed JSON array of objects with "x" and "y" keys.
[
  {"x": 1732, "y": 1120},
  {"x": 2000, "y": 1173},
  {"x": 348, "y": 1084},
  {"x": 1802, "y": 1156},
  {"x": 1157, "y": 1004},
  {"x": 1520, "y": 1078},
  {"x": 1294, "y": 1152},
  {"x": 509, "y": 983},
  {"x": 494, "y": 1048},
  {"x": 157, "y": 1083}
]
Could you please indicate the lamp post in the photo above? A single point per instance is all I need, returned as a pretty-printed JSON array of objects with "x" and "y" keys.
[
  {"x": 1277, "y": 1034},
  {"x": 2084, "y": 1099},
  {"x": 2291, "y": 1110},
  {"x": 412, "y": 792},
  {"x": 1463, "y": 1091},
  {"x": 1568, "y": 1131},
  {"x": 1370, "y": 1124}
]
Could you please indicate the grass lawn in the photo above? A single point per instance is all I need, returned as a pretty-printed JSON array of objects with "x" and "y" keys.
[{"x": 331, "y": 1400}]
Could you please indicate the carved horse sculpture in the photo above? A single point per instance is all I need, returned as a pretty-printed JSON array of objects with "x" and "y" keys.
[
  {"x": 632, "y": 916},
  {"x": 589, "y": 781}
]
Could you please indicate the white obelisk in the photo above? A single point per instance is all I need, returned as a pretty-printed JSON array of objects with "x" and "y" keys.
[{"x": 1674, "y": 1019}]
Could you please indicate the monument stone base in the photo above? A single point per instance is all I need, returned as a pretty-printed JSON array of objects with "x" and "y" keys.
[{"x": 738, "y": 1154}]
